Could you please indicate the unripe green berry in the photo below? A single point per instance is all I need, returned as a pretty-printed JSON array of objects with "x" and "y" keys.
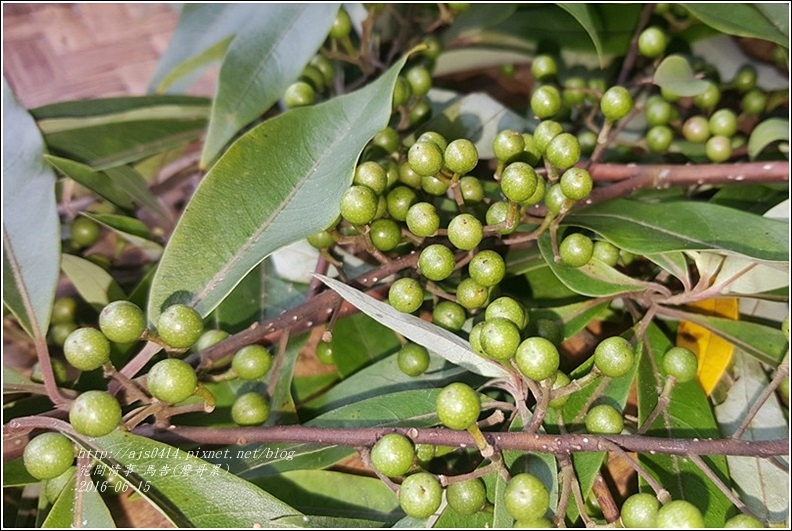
[
  {"x": 471, "y": 189},
  {"x": 679, "y": 514},
  {"x": 537, "y": 358},
  {"x": 574, "y": 92},
  {"x": 544, "y": 67},
  {"x": 745, "y": 78},
  {"x": 299, "y": 94},
  {"x": 450, "y": 315},
  {"x": 526, "y": 497},
  {"x": 718, "y": 149},
  {"x": 545, "y": 102},
  {"x": 576, "y": 183},
  {"x": 420, "y": 80},
  {"x": 321, "y": 240},
  {"x": 640, "y": 510},
  {"x": 86, "y": 349},
  {"x": 556, "y": 201},
  {"x": 401, "y": 92},
  {"x": 422, "y": 219},
  {"x": 393, "y": 455},
  {"x": 487, "y": 268},
  {"x": 576, "y": 250},
  {"x": 508, "y": 145},
  {"x": 324, "y": 352},
  {"x": 251, "y": 362},
  {"x": 433, "y": 186},
  {"x": 425, "y": 158},
  {"x": 399, "y": 200},
  {"x": 497, "y": 213},
  {"x": 471, "y": 295},
  {"x": 563, "y": 151},
  {"x": 64, "y": 310},
  {"x": 48, "y": 455},
  {"x": 499, "y": 338},
  {"x": 436, "y": 262},
  {"x": 434, "y": 136},
  {"x": 538, "y": 194},
  {"x": 742, "y": 521},
  {"x": 544, "y": 133},
  {"x": 606, "y": 252},
  {"x": 616, "y": 103},
  {"x": 371, "y": 174},
  {"x": 614, "y": 356},
  {"x": 179, "y": 326},
  {"x": 172, "y": 380},
  {"x": 561, "y": 380},
  {"x": 420, "y": 495},
  {"x": 122, "y": 321},
  {"x": 466, "y": 497},
  {"x": 85, "y": 232},
  {"x": 465, "y": 232},
  {"x": 406, "y": 295},
  {"x": 342, "y": 25},
  {"x": 754, "y": 102},
  {"x": 359, "y": 205},
  {"x": 209, "y": 339},
  {"x": 604, "y": 419},
  {"x": 518, "y": 181},
  {"x": 95, "y": 413},
  {"x": 659, "y": 138},
  {"x": 413, "y": 360},
  {"x": 652, "y": 42},
  {"x": 696, "y": 129},
  {"x": 709, "y": 98},
  {"x": 461, "y": 156},
  {"x": 507, "y": 308},
  {"x": 387, "y": 139},
  {"x": 680, "y": 363},
  {"x": 250, "y": 409},
  {"x": 658, "y": 112},
  {"x": 723, "y": 122},
  {"x": 385, "y": 234},
  {"x": 458, "y": 406}
]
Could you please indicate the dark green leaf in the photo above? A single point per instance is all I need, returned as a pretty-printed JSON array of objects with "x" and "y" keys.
[
  {"x": 94, "y": 511},
  {"x": 14, "y": 472},
  {"x": 132, "y": 230},
  {"x": 588, "y": 17},
  {"x": 675, "y": 75},
  {"x": 744, "y": 20},
  {"x": 31, "y": 233},
  {"x": 99, "y": 111},
  {"x": 266, "y": 56},
  {"x": 765, "y": 133},
  {"x": 282, "y": 408},
  {"x": 675, "y": 263},
  {"x": 96, "y": 181},
  {"x": 358, "y": 340},
  {"x": 646, "y": 228},
  {"x": 271, "y": 192},
  {"x": 93, "y": 283}
]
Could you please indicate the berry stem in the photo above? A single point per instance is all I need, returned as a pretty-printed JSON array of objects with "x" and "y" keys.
[{"x": 662, "y": 494}]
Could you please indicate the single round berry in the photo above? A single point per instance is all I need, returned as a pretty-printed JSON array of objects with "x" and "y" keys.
[
  {"x": 499, "y": 338},
  {"x": 420, "y": 495},
  {"x": 614, "y": 356},
  {"x": 321, "y": 240},
  {"x": 95, "y": 413},
  {"x": 696, "y": 129},
  {"x": 324, "y": 65},
  {"x": 422, "y": 219},
  {"x": 545, "y": 102},
  {"x": 251, "y": 362},
  {"x": 413, "y": 360},
  {"x": 359, "y": 204},
  {"x": 508, "y": 145},
  {"x": 48, "y": 455},
  {"x": 406, "y": 295},
  {"x": 680, "y": 363},
  {"x": 723, "y": 122},
  {"x": 458, "y": 406},
  {"x": 563, "y": 151},
  {"x": 526, "y": 497},
  {"x": 467, "y": 497},
  {"x": 742, "y": 521},
  {"x": 745, "y": 79},
  {"x": 709, "y": 98},
  {"x": 537, "y": 196},
  {"x": 487, "y": 268},
  {"x": 436, "y": 262},
  {"x": 434, "y": 136},
  {"x": 401, "y": 92},
  {"x": 555, "y": 199},
  {"x": 544, "y": 67},
  {"x": 385, "y": 234},
  {"x": 433, "y": 47},
  {"x": 342, "y": 25},
  {"x": 518, "y": 181},
  {"x": 371, "y": 174},
  {"x": 679, "y": 514},
  {"x": 546, "y": 131},
  {"x": 425, "y": 158},
  {"x": 179, "y": 326},
  {"x": 122, "y": 321},
  {"x": 399, "y": 200},
  {"x": 574, "y": 92},
  {"x": 393, "y": 455},
  {"x": 250, "y": 409},
  {"x": 561, "y": 380},
  {"x": 605, "y": 419},
  {"x": 471, "y": 295},
  {"x": 537, "y": 358},
  {"x": 450, "y": 315},
  {"x": 658, "y": 112},
  {"x": 64, "y": 310},
  {"x": 434, "y": 186},
  {"x": 576, "y": 250},
  {"x": 299, "y": 94},
  {"x": 475, "y": 339},
  {"x": 465, "y": 232},
  {"x": 616, "y": 103},
  {"x": 420, "y": 80},
  {"x": 754, "y": 102},
  {"x": 171, "y": 380},
  {"x": 659, "y": 138},
  {"x": 531, "y": 153},
  {"x": 324, "y": 352},
  {"x": 85, "y": 232},
  {"x": 461, "y": 156},
  {"x": 471, "y": 189},
  {"x": 209, "y": 339},
  {"x": 718, "y": 149},
  {"x": 652, "y": 42},
  {"x": 576, "y": 183},
  {"x": 507, "y": 308},
  {"x": 387, "y": 139},
  {"x": 498, "y": 213},
  {"x": 86, "y": 349},
  {"x": 420, "y": 112},
  {"x": 606, "y": 252},
  {"x": 640, "y": 510}
]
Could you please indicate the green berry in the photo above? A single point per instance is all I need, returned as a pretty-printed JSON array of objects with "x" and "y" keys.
[
  {"x": 497, "y": 213},
  {"x": 576, "y": 250},
  {"x": 433, "y": 186},
  {"x": 422, "y": 219},
  {"x": 393, "y": 455},
  {"x": 680, "y": 363},
  {"x": 48, "y": 455},
  {"x": 544, "y": 133},
  {"x": 359, "y": 204},
  {"x": 406, "y": 295},
  {"x": 172, "y": 380},
  {"x": 321, "y": 240},
  {"x": 420, "y": 80},
  {"x": 604, "y": 419},
  {"x": 461, "y": 156},
  {"x": 745, "y": 79},
  {"x": 86, "y": 349},
  {"x": 471, "y": 189},
  {"x": 401, "y": 92},
  {"x": 718, "y": 149},
  {"x": 250, "y": 409},
  {"x": 499, "y": 338},
  {"x": 420, "y": 495},
  {"x": 754, "y": 102},
  {"x": 434, "y": 136},
  {"x": 526, "y": 497},
  {"x": 709, "y": 98},
  {"x": 425, "y": 158},
  {"x": 640, "y": 510},
  {"x": 387, "y": 139},
  {"x": 399, "y": 200},
  {"x": 179, "y": 326},
  {"x": 614, "y": 356},
  {"x": 723, "y": 122},
  {"x": 313, "y": 76},
  {"x": 545, "y": 102},
  {"x": 508, "y": 145},
  {"x": 95, "y": 413},
  {"x": 122, "y": 321},
  {"x": 659, "y": 138},
  {"x": 342, "y": 25},
  {"x": 85, "y": 232},
  {"x": 742, "y": 521},
  {"x": 299, "y": 94},
  {"x": 458, "y": 406},
  {"x": 371, "y": 174},
  {"x": 561, "y": 380},
  {"x": 556, "y": 201},
  {"x": 209, "y": 339},
  {"x": 64, "y": 310},
  {"x": 544, "y": 67},
  {"x": 652, "y": 42},
  {"x": 518, "y": 181},
  {"x": 696, "y": 129},
  {"x": 385, "y": 234},
  {"x": 538, "y": 194},
  {"x": 465, "y": 232},
  {"x": 487, "y": 268},
  {"x": 467, "y": 497},
  {"x": 433, "y": 47},
  {"x": 537, "y": 358},
  {"x": 574, "y": 92},
  {"x": 658, "y": 112},
  {"x": 679, "y": 514},
  {"x": 616, "y": 103},
  {"x": 325, "y": 67},
  {"x": 475, "y": 339},
  {"x": 324, "y": 352},
  {"x": 606, "y": 252},
  {"x": 531, "y": 153},
  {"x": 507, "y": 308},
  {"x": 450, "y": 315},
  {"x": 471, "y": 295},
  {"x": 436, "y": 262},
  {"x": 251, "y": 362},
  {"x": 576, "y": 183},
  {"x": 563, "y": 151},
  {"x": 413, "y": 360}
]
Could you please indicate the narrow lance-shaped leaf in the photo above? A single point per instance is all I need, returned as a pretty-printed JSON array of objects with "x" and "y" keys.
[
  {"x": 589, "y": 19},
  {"x": 279, "y": 183},
  {"x": 742, "y": 19},
  {"x": 93, "y": 512},
  {"x": 266, "y": 56},
  {"x": 31, "y": 239}
]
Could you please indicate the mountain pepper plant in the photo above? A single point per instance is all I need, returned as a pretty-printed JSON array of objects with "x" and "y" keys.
[{"x": 452, "y": 265}]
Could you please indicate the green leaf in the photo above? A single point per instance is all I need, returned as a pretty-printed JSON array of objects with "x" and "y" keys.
[
  {"x": 93, "y": 283},
  {"x": 358, "y": 340},
  {"x": 15, "y": 474},
  {"x": 675, "y": 263},
  {"x": 689, "y": 415},
  {"x": 647, "y": 228},
  {"x": 132, "y": 230},
  {"x": 94, "y": 511},
  {"x": 277, "y": 195},
  {"x": 757, "y": 480},
  {"x": 31, "y": 230},
  {"x": 190, "y": 491},
  {"x": 589, "y": 19},
  {"x": 77, "y": 114},
  {"x": 192, "y": 66},
  {"x": 765, "y": 133},
  {"x": 675, "y": 75},
  {"x": 96, "y": 181},
  {"x": 743, "y": 19},
  {"x": 266, "y": 56},
  {"x": 282, "y": 408},
  {"x": 327, "y": 522},
  {"x": 438, "y": 340}
]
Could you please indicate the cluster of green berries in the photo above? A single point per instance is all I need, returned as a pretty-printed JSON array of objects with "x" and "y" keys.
[{"x": 645, "y": 511}]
